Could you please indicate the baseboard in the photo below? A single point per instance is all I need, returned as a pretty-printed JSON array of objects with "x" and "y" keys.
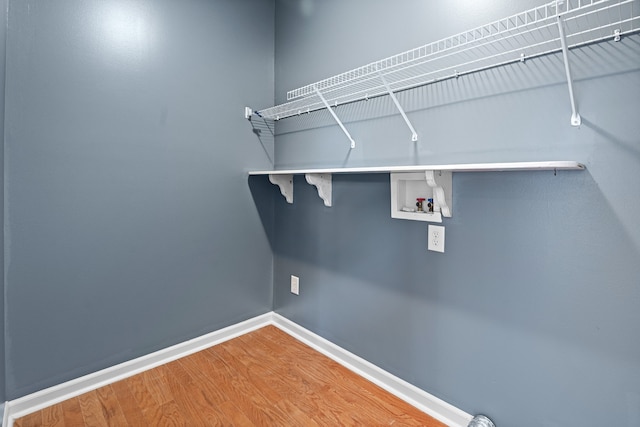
[
  {"x": 41, "y": 399},
  {"x": 422, "y": 400},
  {"x": 435, "y": 407}
]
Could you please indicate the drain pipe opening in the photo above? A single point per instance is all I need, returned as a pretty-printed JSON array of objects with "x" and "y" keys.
[{"x": 481, "y": 421}]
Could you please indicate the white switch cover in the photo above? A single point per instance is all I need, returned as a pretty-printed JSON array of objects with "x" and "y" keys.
[
  {"x": 295, "y": 285},
  {"x": 436, "y": 238}
]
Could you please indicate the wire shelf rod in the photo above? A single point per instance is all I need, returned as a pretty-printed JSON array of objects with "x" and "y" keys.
[
  {"x": 296, "y": 111},
  {"x": 311, "y": 107},
  {"x": 414, "y": 134},
  {"x": 373, "y": 77},
  {"x": 482, "y": 48},
  {"x": 284, "y": 112},
  {"x": 467, "y": 49},
  {"x": 518, "y": 21},
  {"x": 379, "y": 89},
  {"x": 336, "y": 118},
  {"x": 575, "y": 116},
  {"x": 530, "y": 45}
]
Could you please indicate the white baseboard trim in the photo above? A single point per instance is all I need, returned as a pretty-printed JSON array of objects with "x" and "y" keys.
[
  {"x": 437, "y": 408},
  {"x": 422, "y": 400},
  {"x": 25, "y": 405}
]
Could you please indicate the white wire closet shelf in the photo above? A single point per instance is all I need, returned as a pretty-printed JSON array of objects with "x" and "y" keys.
[{"x": 553, "y": 27}]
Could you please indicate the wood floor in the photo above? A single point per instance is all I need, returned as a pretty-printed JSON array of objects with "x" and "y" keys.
[{"x": 263, "y": 378}]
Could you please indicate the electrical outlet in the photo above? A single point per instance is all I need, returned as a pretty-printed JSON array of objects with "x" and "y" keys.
[
  {"x": 436, "y": 238},
  {"x": 295, "y": 285}
]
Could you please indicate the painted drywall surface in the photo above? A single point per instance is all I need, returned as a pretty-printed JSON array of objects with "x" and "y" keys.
[
  {"x": 531, "y": 313},
  {"x": 130, "y": 224},
  {"x": 3, "y": 38}
]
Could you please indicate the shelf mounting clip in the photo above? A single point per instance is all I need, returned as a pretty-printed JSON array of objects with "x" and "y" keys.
[
  {"x": 335, "y": 116},
  {"x": 575, "y": 117},
  {"x": 414, "y": 134}
]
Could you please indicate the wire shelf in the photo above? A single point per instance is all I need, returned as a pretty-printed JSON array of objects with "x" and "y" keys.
[{"x": 532, "y": 33}]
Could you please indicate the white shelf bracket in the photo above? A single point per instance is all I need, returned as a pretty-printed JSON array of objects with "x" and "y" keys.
[
  {"x": 575, "y": 117},
  {"x": 285, "y": 182},
  {"x": 322, "y": 181},
  {"x": 414, "y": 134},
  {"x": 440, "y": 183},
  {"x": 335, "y": 117}
]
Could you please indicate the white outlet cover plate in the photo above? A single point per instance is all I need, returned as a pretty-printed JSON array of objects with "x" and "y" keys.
[
  {"x": 436, "y": 238},
  {"x": 295, "y": 285}
]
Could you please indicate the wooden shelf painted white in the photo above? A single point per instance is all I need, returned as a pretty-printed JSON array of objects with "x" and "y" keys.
[
  {"x": 321, "y": 177},
  {"x": 457, "y": 167}
]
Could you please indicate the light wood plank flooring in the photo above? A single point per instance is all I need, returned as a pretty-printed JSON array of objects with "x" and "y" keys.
[{"x": 263, "y": 378}]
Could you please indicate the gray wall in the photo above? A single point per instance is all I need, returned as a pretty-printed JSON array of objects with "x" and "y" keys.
[
  {"x": 129, "y": 223},
  {"x": 3, "y": 39},
  {"x": 531, "y": 315}
]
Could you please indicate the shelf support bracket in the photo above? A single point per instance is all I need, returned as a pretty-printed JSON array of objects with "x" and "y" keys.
[
  {"x": 575, "y": 117},
  {"x": 285, "y": 182},
  {"x": 335, "y": 116},
  {"x": 414, "y": 134},
  {"x": 440, "y": 183},
  {"x": 322, "y": 181}
]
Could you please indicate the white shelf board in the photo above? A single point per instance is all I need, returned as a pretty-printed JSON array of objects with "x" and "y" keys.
[{"x": 460, "y": 167}]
